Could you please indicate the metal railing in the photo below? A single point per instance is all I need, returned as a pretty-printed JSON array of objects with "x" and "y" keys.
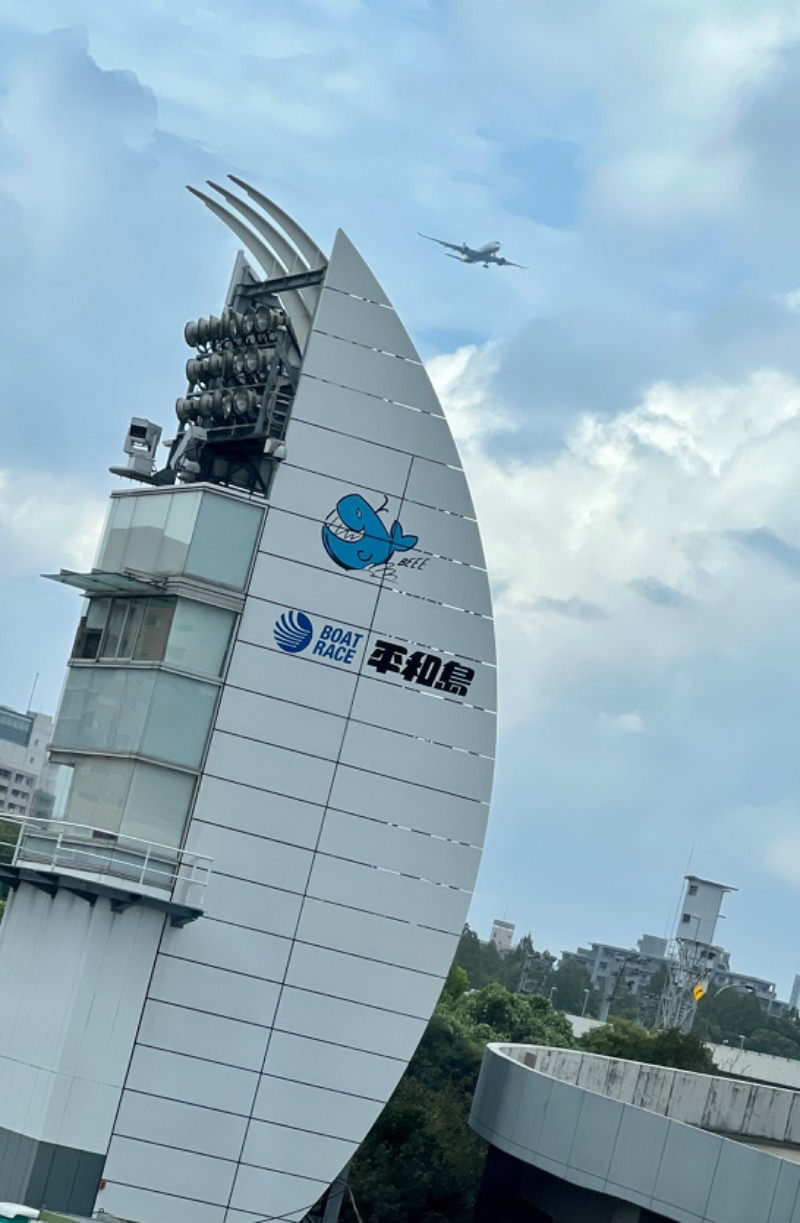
[{"x": 143, "y": 866}]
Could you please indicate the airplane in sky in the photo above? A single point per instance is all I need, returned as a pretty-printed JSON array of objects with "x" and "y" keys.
[{"x": 485, "y": 254}]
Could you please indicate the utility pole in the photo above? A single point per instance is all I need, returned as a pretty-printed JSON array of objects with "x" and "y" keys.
[{"x": 692, "y": 960}]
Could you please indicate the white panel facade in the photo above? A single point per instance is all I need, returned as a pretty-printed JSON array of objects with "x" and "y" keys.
[
  {"x": 430, "y": 764},
  {"x": 302, "y": 1107},
  {"x": 397, "y": 426},
  {"x": 359, "y": 463},
  {"x": 429, "y": 715},
  {"x": 343, "y": 798},
  {"x": 442, "y": 628},
  {"x": 341, "y": 315},
  {"x": 373, "y": 373},
  {"x": 215, "y": 990},
  {"x": 442, "y": 488},
  {"x": 347, "y": 976},
  {"x": 384, "y": 892},
  {"x": 286, "y": 583},
  {"x": 259, "y": 810},
  {"x": 410, "y": 806}
]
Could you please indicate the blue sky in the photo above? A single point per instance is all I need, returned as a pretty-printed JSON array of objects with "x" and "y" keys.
[{"x": 628, "y": 409}]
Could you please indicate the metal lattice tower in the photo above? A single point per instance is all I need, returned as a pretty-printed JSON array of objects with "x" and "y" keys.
[{"x": 692, "y": 955}]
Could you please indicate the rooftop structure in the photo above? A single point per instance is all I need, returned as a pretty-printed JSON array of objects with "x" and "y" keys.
[{"x": 502, "y": 934}]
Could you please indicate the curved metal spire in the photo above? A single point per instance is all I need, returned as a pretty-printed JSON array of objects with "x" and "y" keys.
[
  {"x": 305, "y": 244},
  {"x": 292, "y": 260},
  {"x": 297, "y": 309},
  {"x": 289, "y": 257}
]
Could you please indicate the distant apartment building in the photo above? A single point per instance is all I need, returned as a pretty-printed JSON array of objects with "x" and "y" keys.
[
  {"x": 29, "y": 783},
  {"x": 502, "y": 935},
  {"x": 603, "y": 961}
]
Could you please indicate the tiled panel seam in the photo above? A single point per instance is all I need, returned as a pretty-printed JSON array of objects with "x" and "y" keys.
[
  {"x": 324, "y": 853},
  {"x": 200, "y": 772},
  {"x": 303, "y": 942},
  {"x": 310, "y": 424},
  {"x": 399, "y": 403},
  {"x": 227, "y": 1112},
  {"x": 171, "y": 1146},
  {"x": 177, "y": 1197},
  {"x": 276, "y": 794},
  {"x": 337, "y": 761},
  {"x": 143, "y": 1004},
  {"x": 371, "y": 819},
  {"x": 391, "y": 730},
  {"x": 384, "y": 352},
  {"x": 490, "y": 619},
  {"x": 308, "y": 880},
  {"x": 332, "y": 1044},
  {"x": 182, "y": 1006},
  {"x": 265, "y": 1027}
]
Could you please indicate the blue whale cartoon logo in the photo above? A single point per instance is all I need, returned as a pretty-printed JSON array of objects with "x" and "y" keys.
[{"x": 355, "y": 537}]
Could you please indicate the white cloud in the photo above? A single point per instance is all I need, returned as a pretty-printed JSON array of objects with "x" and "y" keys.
[
  {"x": 631, "y": 723},
  {"x": 649, "y": 538},
  {"x": 47, "y": 522}
]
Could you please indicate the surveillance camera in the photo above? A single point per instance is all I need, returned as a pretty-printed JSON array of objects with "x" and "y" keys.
[{"x": 141, "y": 443}]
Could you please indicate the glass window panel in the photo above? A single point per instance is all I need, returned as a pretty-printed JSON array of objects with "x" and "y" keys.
[
  {"x": 154, "y": 630},
  {"x": 101, "y": 710},
  {"x": 97, "y": 613},
  {"x": 224, "y": 540},
  {"x": 99, "y": 792},
  {"x": 147, "y": 528},
  {"x": 130, "y": 633},
  {"x": 199, "y": 637},
  {"x": 90, "y": 630},
  {"x": 178, "y": 532},
  {"x": 135, "y": 707},
  {"x": 115, "y": 534},
  {"x": 116, "y": 623},
  {"x": 72, "y": 706},
  {"x": 158, "y": 804},
  {"x": 180, "y": 719}
]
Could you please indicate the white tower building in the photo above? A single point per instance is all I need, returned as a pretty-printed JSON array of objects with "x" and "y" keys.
[
  {"x": 279, "y": 717},
  {"x": 694, "y": 954}
]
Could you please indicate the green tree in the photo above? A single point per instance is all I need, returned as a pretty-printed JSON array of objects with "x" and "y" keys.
[
  {"x": 482, "y": 962},
  {"x": 422, "y": 1163},
  {"x": 624, "y": 1039},
  {"x": 457, "y": 983},
  {"x": 767, "y": 1040},
  {"x": 495, "y": 1014},
  {"x": 572, "y": 981}
]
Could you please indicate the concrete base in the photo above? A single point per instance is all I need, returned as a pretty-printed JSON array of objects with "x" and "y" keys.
[{"x": 43, "y": 1175}]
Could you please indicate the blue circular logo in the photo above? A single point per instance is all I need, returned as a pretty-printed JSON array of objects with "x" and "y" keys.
[{"x": 293, "y": 632}]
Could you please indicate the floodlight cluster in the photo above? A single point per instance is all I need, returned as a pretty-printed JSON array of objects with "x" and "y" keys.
[{"x": 228, "y": 376}]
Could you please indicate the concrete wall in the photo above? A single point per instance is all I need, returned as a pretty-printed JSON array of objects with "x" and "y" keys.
[
  {"x": 606, "y": 1126},
  {"x": 759, "y": 1067},
  {"x": 724, "y": 1106}
]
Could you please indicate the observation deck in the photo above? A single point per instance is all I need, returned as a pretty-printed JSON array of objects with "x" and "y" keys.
[{"x": 92, "y": 862}]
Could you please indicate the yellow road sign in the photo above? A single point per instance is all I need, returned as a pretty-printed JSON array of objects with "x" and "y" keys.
[{"x": 698, "y": 992}]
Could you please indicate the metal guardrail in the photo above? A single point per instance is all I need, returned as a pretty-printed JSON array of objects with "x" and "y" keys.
[{"x": 59, "y": 846}]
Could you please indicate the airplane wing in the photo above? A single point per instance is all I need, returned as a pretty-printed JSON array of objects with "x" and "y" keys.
[
  {"x": 454, "y": 246},
  {"x": 509, "y": 263}
]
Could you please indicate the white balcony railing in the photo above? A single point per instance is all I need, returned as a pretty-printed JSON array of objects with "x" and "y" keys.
[{"x": 96, "y": 854}]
